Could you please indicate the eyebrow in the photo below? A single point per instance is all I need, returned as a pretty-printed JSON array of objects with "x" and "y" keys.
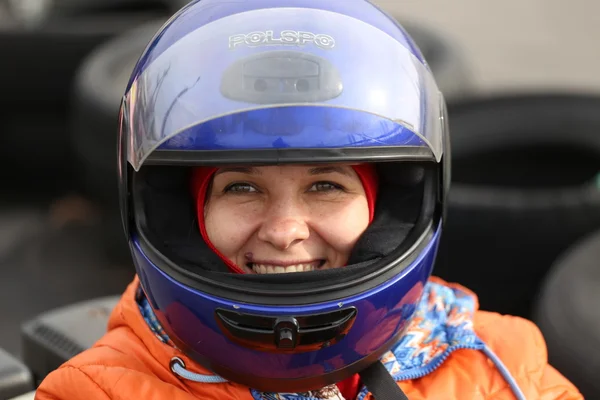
[
  {"x": 243, "y": 170},
  {"x": 330, "y": 169},
  {"x": 312, "y": 171}
]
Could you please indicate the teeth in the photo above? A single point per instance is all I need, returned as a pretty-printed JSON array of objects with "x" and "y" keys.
[{"x": 277, "y": 269}]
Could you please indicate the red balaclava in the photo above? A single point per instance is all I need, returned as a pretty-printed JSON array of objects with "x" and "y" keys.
[{"x": 202, "y": 176}]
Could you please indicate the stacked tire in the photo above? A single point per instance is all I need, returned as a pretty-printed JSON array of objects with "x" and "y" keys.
[
  {"x": 567, "y": 314},
  {"x": 50, "y": 39},
  {"x": 99, "y": 87},
  {"x": 524, "y": 189}
]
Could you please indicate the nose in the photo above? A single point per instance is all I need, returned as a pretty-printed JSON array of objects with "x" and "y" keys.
[{"x": 284, "y": 232}]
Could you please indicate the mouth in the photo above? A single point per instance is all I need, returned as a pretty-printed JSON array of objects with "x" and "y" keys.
[{"x": 284, "y": 268}]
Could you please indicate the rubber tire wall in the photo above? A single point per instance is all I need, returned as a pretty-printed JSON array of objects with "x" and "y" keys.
[
  {"x": 508, "y": 221},
  {"x": 567, "y": 314},
  {"x": 99, "y": 86},
  {"x": 44, "y": 56}
]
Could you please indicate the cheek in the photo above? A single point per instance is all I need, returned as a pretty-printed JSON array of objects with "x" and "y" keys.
[
  {"x": 341, "y": 227},
  {"x": 228, "y": 228}
]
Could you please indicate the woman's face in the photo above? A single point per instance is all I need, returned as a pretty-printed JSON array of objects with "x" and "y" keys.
[{"x": 286, "y": 218}]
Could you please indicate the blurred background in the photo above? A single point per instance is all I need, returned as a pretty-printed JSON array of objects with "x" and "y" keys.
[
  {"x": 523, "y": 90},
  {"x": 517, "y": 45}
]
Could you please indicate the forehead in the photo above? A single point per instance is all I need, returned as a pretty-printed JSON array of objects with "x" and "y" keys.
[{"x": 291, "y": 170}]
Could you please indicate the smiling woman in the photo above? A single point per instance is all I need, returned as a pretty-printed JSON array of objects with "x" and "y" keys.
[{"x": 284, "y": 218}]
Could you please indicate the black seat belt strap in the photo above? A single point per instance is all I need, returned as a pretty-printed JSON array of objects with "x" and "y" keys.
[{"x": 380, "y": 383}]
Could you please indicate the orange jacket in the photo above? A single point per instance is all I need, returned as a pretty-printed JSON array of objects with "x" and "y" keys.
[{"x": 130, "y": 362}]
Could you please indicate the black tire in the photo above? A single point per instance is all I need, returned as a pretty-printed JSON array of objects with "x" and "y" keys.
[
  {"x": 179, "y": 4},
  {"x": 59, "y": 42},
  {"x": 22, "y": 13},
  {"x": 507, "y": 221},
  {"x": 445, "y": 59},
  {"x": 99, "y": 87},
  {"x": 567, "y": 315},
  {"x": 33, "y": 107}
]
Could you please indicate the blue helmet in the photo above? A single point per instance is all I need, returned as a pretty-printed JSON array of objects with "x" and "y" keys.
[{"x": 273, "y": 82}]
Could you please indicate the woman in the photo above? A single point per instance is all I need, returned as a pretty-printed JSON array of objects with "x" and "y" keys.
[{"x": 313, "y": 140}]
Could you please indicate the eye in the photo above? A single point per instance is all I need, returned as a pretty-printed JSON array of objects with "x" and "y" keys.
[
  {"x": 325, "y": 187},
  {"x": 239, "y": 188}
]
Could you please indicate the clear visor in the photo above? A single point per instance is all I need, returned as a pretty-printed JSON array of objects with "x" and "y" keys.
[{"x": 285, "y": 57}]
